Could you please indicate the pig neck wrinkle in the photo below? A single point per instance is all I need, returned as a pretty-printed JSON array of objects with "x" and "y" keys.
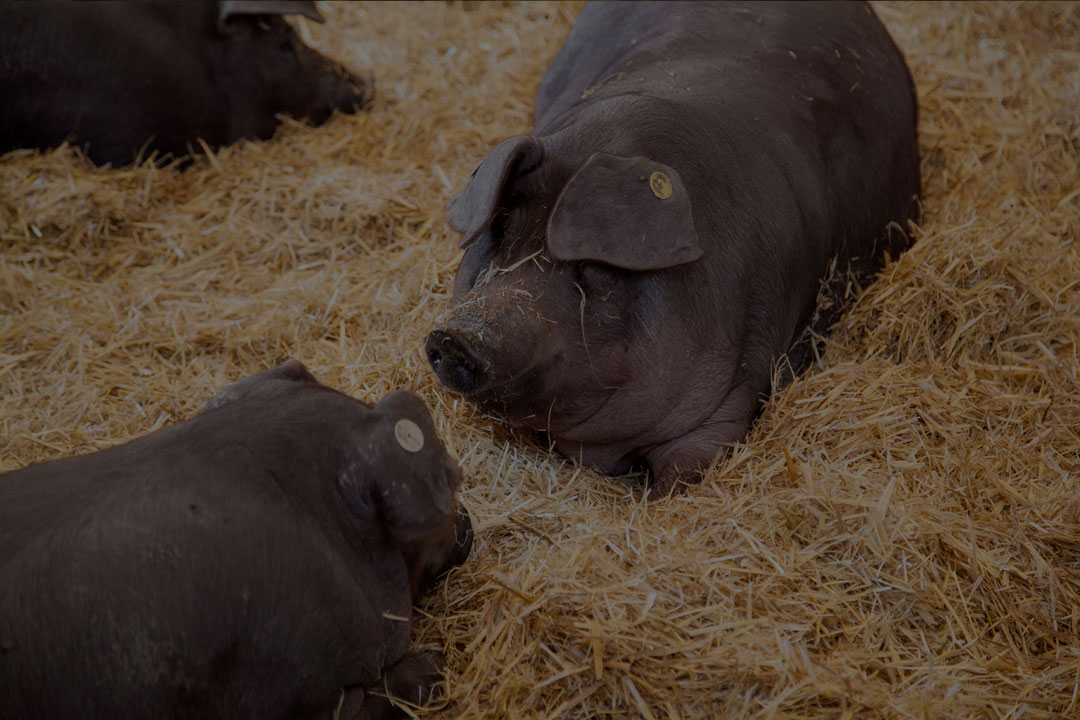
[{"x": 598, "y": 411}]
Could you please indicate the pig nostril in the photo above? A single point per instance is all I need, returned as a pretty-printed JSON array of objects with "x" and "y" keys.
[
  {"x": 435, "y": 358},
  {"x": 453, "y": 361}
]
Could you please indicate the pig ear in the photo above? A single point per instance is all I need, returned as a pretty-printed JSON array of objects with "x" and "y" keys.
[
  {"x": 472, "y": 211},
  {"x": 264, "y": 384},
  {"x": 231, "y": 8},
  {"x": 412, "y": 480},
  {"x": 632, "y": 213}
]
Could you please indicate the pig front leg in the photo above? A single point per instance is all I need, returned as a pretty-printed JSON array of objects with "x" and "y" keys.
[
  {"x": 677, "y": 464},
  {"x": 410, "y": 680}
]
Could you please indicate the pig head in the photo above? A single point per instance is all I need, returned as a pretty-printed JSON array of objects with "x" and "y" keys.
[
  {"x": 635, "y": 268},
  {"x": 259, "y": 560},
  {"x": 126, "y": 78}
]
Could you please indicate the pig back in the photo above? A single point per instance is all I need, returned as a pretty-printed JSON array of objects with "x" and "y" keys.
[
  {"x": 196, "y": 580},
  {"x": 113, "y": 74},
  {"x": 792, "y": 126},
  {"x": 123, "y": 78}
]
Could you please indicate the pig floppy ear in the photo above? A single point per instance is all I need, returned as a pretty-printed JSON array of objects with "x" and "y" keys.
[
  {"x": 472, "y": 211},
  {"x": 632, "y": 213},
  {"x": 228, "y": 9},
  {"x": 410, "y": 478}
]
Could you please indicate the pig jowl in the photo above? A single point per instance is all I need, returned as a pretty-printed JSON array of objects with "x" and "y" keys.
[{"x": 637, "y": 267}]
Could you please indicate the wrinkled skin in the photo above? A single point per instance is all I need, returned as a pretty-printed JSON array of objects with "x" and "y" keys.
[
  {"x": 121, "y": 79},
  {"x": 633, "y": 321},
  {"x": 260, "y": 560}
]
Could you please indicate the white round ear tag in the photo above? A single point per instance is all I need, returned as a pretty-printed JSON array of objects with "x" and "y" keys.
[
  {"x": 660, "y": 184},
  {"x": 409, "y": 435}
]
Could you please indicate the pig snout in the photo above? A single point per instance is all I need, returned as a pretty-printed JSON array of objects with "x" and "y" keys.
[
  {"x": 340, "y": 89},
  {"x": 453, "y": 353},
  {"x": 430, "y": 557},
  {"x": 349, "y": 91}
]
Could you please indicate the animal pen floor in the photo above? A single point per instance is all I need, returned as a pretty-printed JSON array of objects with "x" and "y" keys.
[{"x": 898, "y": 537}]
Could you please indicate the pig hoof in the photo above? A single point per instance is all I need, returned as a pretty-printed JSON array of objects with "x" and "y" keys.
[
  {"x": 673, "y": 482},
  {"x": 409, "y": 682},
  {"x": 414, "y": 677}
]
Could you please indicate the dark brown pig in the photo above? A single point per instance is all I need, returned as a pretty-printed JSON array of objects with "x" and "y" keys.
[
  {"x": 638, "y": 265},
  {"x": 258, "y": 561},
  {"x": 120, "y": 78}
]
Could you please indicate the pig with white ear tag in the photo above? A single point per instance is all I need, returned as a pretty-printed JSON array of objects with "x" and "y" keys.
[
  {"x": 259, "y": 560},
  {"x": 637, "y": 266}
]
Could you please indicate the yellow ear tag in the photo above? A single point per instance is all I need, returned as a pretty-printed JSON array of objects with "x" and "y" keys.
[
  {"x": 409, "y": 435},
  {"x": 660, "y": 184}
]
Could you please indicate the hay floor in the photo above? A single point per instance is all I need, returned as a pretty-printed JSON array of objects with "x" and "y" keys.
[{"x": 897, "y": 538}]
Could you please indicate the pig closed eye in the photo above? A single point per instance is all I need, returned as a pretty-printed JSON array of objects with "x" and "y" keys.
[{"x": 597, "y": 278}]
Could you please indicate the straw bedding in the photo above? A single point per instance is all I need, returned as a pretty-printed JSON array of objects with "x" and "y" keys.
[{"x": 898, "y": 536}]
